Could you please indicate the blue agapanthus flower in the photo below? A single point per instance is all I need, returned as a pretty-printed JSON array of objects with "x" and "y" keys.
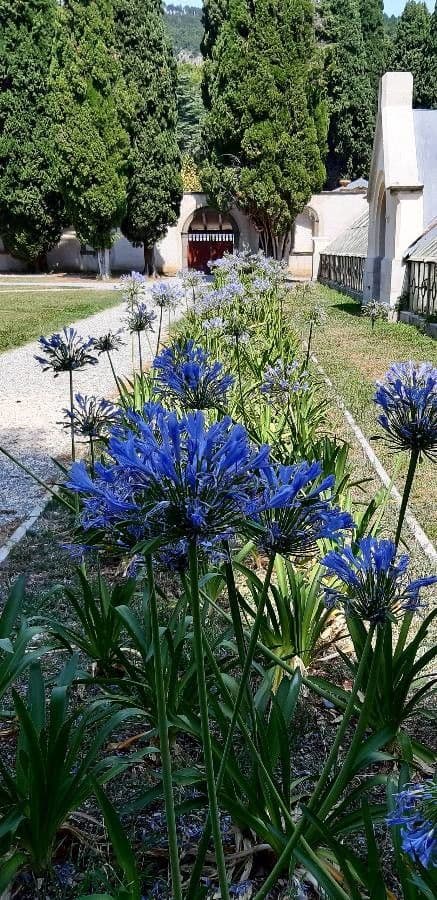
[
  {"x": 66, "y": 351},
  {"x": 170, "y": 479},
  {"x": 185, "y": 374},
  {"x": 283, "y": 379},
  {"x": 416, "y": 813},
  {"x": 109, "y": 342},
  {"x": 408, "y": 398},
  {"x": 165, "y": 294},
  {"x": 91, "y": 418},
  {"x": 373, "y": 584},
  {"x": 293, "y": 509},
  {"x": 140, "y": 318}
]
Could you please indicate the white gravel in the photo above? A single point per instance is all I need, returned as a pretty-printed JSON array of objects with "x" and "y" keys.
[{"x": 31, "y": 406}]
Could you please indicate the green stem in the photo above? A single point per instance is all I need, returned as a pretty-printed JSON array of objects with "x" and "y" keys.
[
  {"x": 214, "y": 816},
  {"x": 167, "y": 780},
  {"x": 240, "y": 386},
  {"x": 73, "y": 449},
  {"x": 140, "y": 353},
  {"x": 253, "y": 640},
  {"x": 414, "y": 458},
  {"x": 307, "y": 358},
  {"x": 115, "y": 376},
  {"x": 330, "y": 761},
  {"x": 93, "y": 461},
  {"x": 158, "y": 341}
]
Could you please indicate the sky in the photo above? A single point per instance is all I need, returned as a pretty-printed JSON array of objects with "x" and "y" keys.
[{"x": 392, "y": 7}]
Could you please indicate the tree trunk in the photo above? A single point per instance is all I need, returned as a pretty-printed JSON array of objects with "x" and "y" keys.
[
  {"x": 149, "y": 260},
  {"x": 104, "y": 263},
  {"x": 40, "y": 265}
]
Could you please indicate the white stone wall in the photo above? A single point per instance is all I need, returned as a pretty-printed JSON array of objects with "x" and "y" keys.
[
  {"x": 395, "y": 192},
  {"x": 326, "y": 216}
]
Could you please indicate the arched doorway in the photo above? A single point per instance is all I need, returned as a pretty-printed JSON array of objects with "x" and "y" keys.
[{"x": 208, "y": 235}]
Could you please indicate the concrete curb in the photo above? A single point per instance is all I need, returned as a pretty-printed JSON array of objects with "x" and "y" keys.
[
  {"x": 22, "y": 529},
  {"x": 422, "y": 539}
]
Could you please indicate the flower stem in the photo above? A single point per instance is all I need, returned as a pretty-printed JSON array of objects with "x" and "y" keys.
[
  {"x": 214, "y": 816},
  {"x": 93, "y": 461},
  {"x": 307, "y": 358},
  {"x": 140, "y": 353},
  {"x": 167, "y": 780},
  {"x": 253, "y": 640},
  {"x": 73, "y": 449},
  {"x": 158, "y": 341},
  {"x": 240, "y": 386},
  {"x": 115, "y": 376},
  {"x": 330, "y": 761},
  {"x": 414, "y": 458}
]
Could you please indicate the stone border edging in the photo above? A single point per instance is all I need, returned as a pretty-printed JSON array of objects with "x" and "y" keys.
[
  {"x": 420, "y": 536},
  {"x": 22, "y": 529}
]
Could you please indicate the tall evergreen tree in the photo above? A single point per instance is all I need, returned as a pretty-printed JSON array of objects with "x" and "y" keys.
[
  {"x": 375, "y": 43},
  {"x": 427, "y": 80},
  {"x": 91, "y": 104},
  {"x": 190, "y": 109},
  {"x": 154, "y": 181},
  {"x": 409, "y": 44},
  {"x": 349, "y": 89},
  {"x": 263, "y": 129},
  {"x": 31, "y": 207}
]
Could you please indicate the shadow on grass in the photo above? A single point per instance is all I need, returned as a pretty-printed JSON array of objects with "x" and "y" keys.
[{"x": 353, "y": 307}]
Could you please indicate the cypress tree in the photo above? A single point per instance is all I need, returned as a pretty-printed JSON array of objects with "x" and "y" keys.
[
  {"x": 154, "y": 188},
  {"x": 427, "y": 80},
  {"x": 190, "y": 109},
  {"x": 409, "y": 44},
  {"x": 263, "y": 128},
  {"x": 375, "y": 44},
  {"x": 91, "y": 106},
  {"x": 31, "y": 207},
  {"x": 349, "y": 89}
]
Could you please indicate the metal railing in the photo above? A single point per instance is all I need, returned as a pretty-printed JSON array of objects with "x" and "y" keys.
[
  {"x": 422, "y": 287},
  {"x": 346, "y": 272}
]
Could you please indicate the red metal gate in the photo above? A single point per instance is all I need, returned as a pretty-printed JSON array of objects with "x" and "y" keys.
[{"x": 208, "y": 245}]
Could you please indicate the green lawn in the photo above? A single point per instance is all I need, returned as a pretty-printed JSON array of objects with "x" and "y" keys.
[
  {"x": 354, "y": 359},
  {"x": 25, "y": 316}
]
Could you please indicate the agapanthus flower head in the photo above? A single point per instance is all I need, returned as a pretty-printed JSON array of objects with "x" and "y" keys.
[
  {"x": 215, "y": 323},
  {"x": 293, "y": 509},
  {"x": 261, "y": 284},
  {"x": 416, "y": 814},
  {"x": 191, "y": 278},
  {"x": 140, "y": 318},
  {"x": 408, "y": 399},
  {"x": 373, "y": 583},
  {"x": 133, "y": 287},
  {"x": 169, "y": 480},
  {"x": 318, "y": 315},
  {"x": 109, "y": 342},
  {"x": 165, "y": 294},
  {"x": 283, "y": 379},
  {"x": 91, "y": 418},
  {"x": 66, "y": 351},
  {"x": 185, "y": 374},
  {"x": 374, "y": 309}
]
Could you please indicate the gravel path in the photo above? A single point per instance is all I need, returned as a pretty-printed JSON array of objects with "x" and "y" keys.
[{"x": 31, "y": 405}]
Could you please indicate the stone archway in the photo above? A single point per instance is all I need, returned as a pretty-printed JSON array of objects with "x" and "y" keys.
[{"x": 208, "y": 234}]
